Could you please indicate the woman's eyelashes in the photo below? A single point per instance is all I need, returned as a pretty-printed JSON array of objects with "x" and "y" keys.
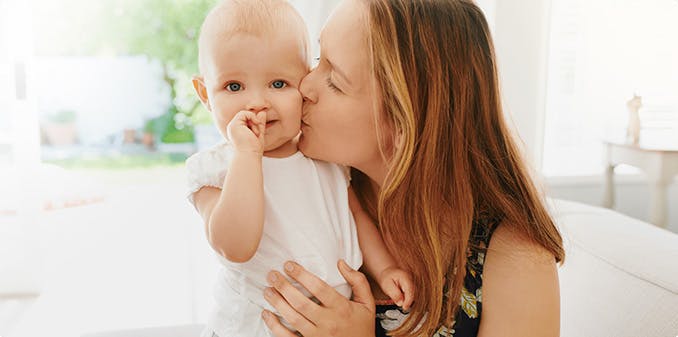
[{"x": 332, "y": 86}]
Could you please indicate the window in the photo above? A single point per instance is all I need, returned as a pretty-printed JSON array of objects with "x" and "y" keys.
[
  {"x": 601, "y": 53},
  {"x": 315, "y": 14}
]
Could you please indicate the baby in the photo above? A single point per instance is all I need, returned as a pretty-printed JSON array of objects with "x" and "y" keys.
[{"x": 262, "y": 201}]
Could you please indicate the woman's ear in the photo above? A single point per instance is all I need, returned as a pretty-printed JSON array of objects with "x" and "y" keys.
[{"x": 201, "y": 90}]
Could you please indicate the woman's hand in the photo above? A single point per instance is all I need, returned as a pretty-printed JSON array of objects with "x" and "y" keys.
[{"x": 334, "y": 316}]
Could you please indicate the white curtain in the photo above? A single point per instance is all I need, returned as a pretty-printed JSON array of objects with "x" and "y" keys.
[{"x": 315, "y": 14}]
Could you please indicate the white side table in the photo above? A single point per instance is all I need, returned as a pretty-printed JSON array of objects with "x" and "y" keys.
[{"x": 659, "y": 163}]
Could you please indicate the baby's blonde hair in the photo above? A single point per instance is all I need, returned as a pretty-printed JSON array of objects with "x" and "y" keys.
[{"x": 255, "y": 17}]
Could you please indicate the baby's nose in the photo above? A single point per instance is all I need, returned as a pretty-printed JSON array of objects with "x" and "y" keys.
[
  {"x": 257, "y": 101},
  {"x": 256, "y": 107}
]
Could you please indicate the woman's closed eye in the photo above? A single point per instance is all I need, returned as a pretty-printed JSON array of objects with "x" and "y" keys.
[{"x": 332, "y": 86}]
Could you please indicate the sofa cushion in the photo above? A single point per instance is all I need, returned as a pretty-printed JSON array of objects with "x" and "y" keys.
[{"x": 620, "y": 276}]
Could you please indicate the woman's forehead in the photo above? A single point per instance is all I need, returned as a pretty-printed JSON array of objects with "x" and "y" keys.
[
  {"x": 347, "y": 20},
  {"x": 343, "y": 40}
]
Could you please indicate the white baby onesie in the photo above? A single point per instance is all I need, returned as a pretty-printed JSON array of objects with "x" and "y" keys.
[{"x": 306, "y": 219}]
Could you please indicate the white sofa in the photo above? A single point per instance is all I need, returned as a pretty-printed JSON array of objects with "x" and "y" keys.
[{"x": 620, "y": 278}]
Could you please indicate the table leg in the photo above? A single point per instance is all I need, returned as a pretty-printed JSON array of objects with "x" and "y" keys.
[
  {"x": 608, "y": 193},
  {"x": 658, "y": 211}
]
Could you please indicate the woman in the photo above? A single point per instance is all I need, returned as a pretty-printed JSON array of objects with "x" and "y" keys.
[{"x": 406, "y": 93}]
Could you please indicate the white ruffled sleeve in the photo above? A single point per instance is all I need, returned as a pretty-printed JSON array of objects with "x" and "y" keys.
[{"x": 207, "y": 168}]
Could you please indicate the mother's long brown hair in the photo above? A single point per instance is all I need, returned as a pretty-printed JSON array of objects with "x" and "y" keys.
[{"x": 454, "y": 158}]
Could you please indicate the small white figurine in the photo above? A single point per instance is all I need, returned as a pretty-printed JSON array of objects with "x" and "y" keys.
[{"x": 633, "y": 128}]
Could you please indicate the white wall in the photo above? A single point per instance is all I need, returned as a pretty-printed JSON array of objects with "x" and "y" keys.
[
  {"x": 631, "y": 195},
  {"x": 521, "y": 31},
  {"x": 19, "y": 138},
  {"x": 108, "y": 94},
  {"x": 315, "y": 14}
]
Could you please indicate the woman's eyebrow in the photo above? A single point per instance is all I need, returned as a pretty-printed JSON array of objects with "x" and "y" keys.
[{"x": 339, "y": 71}]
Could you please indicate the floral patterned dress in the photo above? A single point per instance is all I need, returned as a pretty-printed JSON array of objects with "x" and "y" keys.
[{"x": 467, "y": 322}]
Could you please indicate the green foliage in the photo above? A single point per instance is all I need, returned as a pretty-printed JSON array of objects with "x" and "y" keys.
[
  {"x": 172, "y": 135},
  {"x": 167, "y": 32},
  {"x": 123, "y": 161},
  {"x": 179, "y": 129},
  {"x": 62, "y": 116},
  {"x": 201, "y": 117},
  {"x": 164, "y": 31}
]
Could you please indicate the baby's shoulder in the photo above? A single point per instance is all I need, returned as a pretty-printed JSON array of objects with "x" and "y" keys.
[
  {"x": 219, "y": 155},
  {"x": 207, "y": 168}
]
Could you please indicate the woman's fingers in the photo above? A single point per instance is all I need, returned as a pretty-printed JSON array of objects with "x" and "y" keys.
[
  {"x": 358, "y": 281},
  {"x": 326, "y": 294},
  {"x": 296, "y": 308},
  {"x": 335, "y": 316},
  {"x": 275, "y": 326}
]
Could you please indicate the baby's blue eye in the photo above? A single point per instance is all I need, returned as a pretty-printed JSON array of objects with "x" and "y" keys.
[
  {"x": 278, "y": 84},
  {"x": 233, "y": 87}
]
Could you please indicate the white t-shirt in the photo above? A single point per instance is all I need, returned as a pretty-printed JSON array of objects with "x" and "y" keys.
[{"x": 306, "y": 219}]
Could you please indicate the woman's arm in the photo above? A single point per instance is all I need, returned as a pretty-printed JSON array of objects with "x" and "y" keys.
[
  {"x": 334, "y": 316},
  {"x": 521, "y": 295}
]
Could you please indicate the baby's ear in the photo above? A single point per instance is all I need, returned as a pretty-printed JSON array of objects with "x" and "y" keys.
[{"x": 201, "y": 90}]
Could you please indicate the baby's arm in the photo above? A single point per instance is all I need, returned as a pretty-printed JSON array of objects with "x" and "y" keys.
[
  {"x": 234, "y": 216},
  {"x": 378, "y": 262}
]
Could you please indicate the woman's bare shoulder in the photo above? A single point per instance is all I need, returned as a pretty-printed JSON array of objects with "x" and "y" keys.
[
  {"x": 521, "y": 295},
  {"x": 514, "y": 248}
]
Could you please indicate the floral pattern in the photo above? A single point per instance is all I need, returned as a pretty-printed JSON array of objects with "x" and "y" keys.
[{"x": 390, "y": 317}]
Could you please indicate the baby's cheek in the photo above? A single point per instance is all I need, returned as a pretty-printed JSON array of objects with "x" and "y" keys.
[
  {"x": 293, "y": 104},
  {"x": 221, "y": 120}
]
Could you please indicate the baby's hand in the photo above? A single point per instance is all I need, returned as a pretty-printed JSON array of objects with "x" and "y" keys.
[
  {"x": 246, "y": 131},
  {"x": 398, "y": 285}
]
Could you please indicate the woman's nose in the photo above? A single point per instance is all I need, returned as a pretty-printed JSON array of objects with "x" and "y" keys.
[{"x": 307, "y": 88}]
